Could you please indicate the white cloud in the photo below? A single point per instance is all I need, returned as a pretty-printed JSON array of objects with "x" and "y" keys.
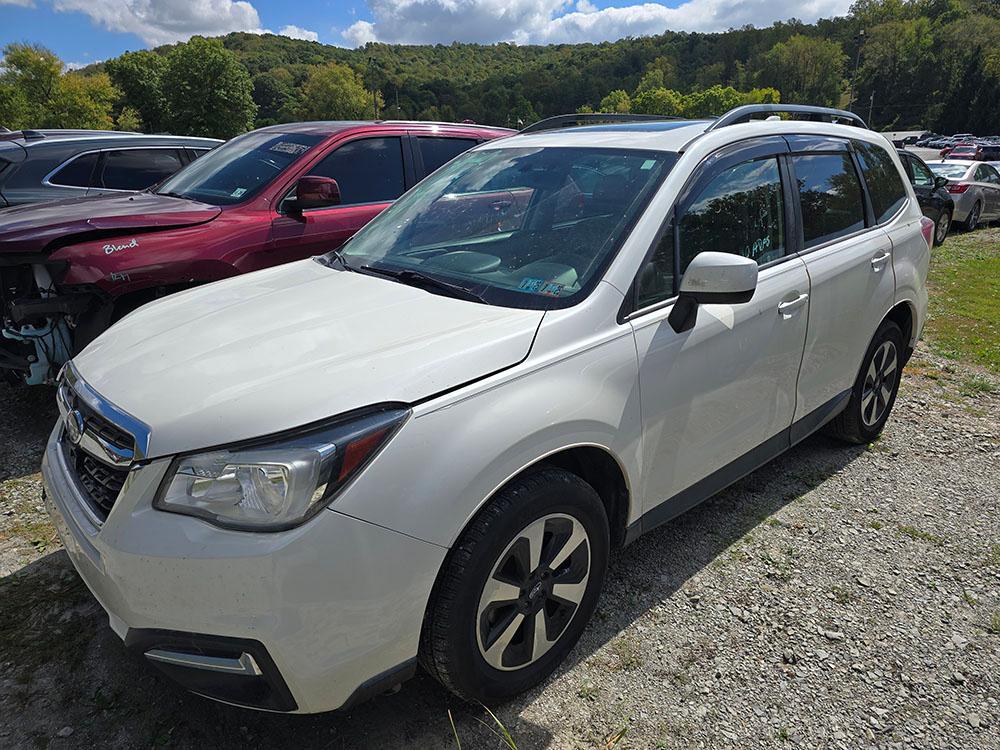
[
  {"x": 297, "y": 32},
  {"x": 21, "y": 3},
  {"x": 165, "y": 21},
  {"x": 545, "y": 21}
]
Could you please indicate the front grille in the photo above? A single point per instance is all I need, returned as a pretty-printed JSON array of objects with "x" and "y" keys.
[{"x": 101, "y": 483}]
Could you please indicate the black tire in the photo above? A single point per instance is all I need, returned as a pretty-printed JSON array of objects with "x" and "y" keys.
[
  {"x": 972, "y": 220},
  {"x": 453, "y": 628},
  {"x": 855, "y": 424},
  {"x": 941, "y": 228}
]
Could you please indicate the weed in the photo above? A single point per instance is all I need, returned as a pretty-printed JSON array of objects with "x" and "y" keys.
[
  {"x": 971, "y": 600},
  {"x": 588, "y": 691},
  {"x": 626, "y": 653},
  {"x": 993, "y": 555},
  {"x": 977, "y": 386},
  {"x": 840, "y": 594},
  {"x": 875, "y": 525},
  {"x": 615, "y": 737},
  {"x": 994, "y": 626},
  {"x": 925, "y": 536},
  {"x": 783, "y": 735}
]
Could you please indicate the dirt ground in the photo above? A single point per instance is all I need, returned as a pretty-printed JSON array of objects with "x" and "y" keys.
[{"x": 839, "y": 597}]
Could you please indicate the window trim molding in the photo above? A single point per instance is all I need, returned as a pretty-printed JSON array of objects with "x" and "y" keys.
[{"x": 100, "y": 155}]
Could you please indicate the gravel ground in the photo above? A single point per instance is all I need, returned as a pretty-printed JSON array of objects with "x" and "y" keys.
[{"x": 839, "y": 597}]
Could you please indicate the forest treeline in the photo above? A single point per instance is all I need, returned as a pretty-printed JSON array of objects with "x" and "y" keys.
[{"x": 901, "y": 64}]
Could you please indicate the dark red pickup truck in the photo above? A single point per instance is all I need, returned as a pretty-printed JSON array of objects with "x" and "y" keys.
[{"x": 69, "y": 269}]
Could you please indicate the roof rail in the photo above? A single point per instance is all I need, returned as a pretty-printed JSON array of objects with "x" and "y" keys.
[
  {"x": 589, "y": 118},
  {"x": 32, "y": 135},
  {"x": 819, "y": 114}
]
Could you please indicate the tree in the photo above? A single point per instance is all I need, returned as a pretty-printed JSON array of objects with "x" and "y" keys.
[
  {"x": 659, "y": 101},
  {"x": 139, "y": 76},
  {"x": 33, "y": 70},
  {"x": 711, "y": 102},
  {"x": 129, "y": 120},
  {"x": 270, "y": 93},
  {"x": 335, "y": 92},
  {"x": 207, "y": 91},
  {"x": 651, "y": 80},
  {"x": 806, "y": 70},
  {"x": 618, "y": 102},
  {"x": 81, "y": 102}
]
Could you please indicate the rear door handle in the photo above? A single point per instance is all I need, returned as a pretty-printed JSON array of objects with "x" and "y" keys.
[
  {"x": 787, "y": 308},
  {"x": 879, "y": 260}
]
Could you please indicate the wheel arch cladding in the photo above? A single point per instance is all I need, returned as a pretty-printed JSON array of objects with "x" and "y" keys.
[{"x": 902, "y": 315}]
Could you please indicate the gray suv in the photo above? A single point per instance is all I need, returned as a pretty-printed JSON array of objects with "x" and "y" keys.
[{"x": 42, "y": 165}]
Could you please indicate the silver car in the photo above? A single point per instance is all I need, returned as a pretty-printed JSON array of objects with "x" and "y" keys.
[{"x": 975, "y": 188}]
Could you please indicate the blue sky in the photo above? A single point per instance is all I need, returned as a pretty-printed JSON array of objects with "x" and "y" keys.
[{"x": 83, "y": 31}]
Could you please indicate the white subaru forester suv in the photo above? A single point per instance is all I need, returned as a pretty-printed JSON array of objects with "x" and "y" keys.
[{"x": 290, "y": 488}]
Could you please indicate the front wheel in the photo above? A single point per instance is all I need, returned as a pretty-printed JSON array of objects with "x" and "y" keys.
[
  {"x": 518, "y": 588},
  {"x": 875, "y": 388},
  {"x": 942, "y": 227}
]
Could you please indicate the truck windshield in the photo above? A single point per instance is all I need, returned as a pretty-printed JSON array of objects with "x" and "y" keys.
[
  {"x": 519, "y": 227},
  {"x": 239, "y": 169}
]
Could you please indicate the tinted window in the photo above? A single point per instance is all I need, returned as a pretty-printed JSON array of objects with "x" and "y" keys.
[
  {"x": 77, "y": 173},
  {"x": 137, "y": 169},
  {"x": 238, "y": 169},
  {"x": 368, "y": 170},
  {"x": 656, "y": 281},
  {"x": 885, "y": 186},
  {"x": 438, "y": 151},
  {"x": 830, "y": 194},
  {"x": 986, "y": 173},
  {"x": 740, "y": 211},
  {"x": 922, "y": 176}
]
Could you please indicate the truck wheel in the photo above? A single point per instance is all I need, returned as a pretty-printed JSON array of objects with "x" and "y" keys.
[
  {"x": 874, "y": 390},
  {"x": 518, "y": 588}
]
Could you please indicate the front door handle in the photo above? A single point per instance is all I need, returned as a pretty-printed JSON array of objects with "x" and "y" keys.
[
  {"x": 787, "y": 308},
  {"x": 878, "y": 262}
]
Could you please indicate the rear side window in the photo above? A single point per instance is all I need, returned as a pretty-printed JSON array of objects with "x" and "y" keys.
[
  {"x": 885, "y": 186},
  {"x": 830, "y": 194},
  {"x": 438, "y": 151},
  {"x": 986, "y": 173},
  {"x": 922, "y": 176},
  {"x": 740, "y": 211},
  {"x": 77, "y": 173},
  {"x": 369, "y": 170},
  {"x": 137, "y": 168}
]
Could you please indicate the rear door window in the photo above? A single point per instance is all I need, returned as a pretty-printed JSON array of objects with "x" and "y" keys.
[
  {"x": 76, "y": 173},
  {"x": 885, "y": 186},
  {"x": 830, "y": 195},
  {"x": 439, "y": 151},
  {"x": 369, "y": 170},
  {"x": 137, "y": 168},
  {"x": 986, "y": 173}
]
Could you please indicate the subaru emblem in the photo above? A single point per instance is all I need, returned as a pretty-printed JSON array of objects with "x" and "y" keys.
[{"x": 74, "y": 426}]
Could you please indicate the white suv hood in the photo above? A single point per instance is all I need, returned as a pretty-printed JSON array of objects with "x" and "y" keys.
[{"x": 287, "y": 346}]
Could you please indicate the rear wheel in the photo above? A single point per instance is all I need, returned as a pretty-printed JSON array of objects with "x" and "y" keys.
[
  {"x": 518, "y": 589},
  {"x": 942, "y": 227},
  {"x": 972, "y": 221},
  {"x": 874, "y": 391}
]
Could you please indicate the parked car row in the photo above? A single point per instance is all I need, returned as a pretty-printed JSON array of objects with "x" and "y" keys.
[
  {"x": 71, "y": 268},
  {"x": 290, "y": 487}
]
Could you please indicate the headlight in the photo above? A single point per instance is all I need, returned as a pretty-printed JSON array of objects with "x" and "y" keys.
[{"x": 276, "y": 483}]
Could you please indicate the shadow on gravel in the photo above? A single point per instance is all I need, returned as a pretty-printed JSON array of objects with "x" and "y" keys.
[
  {"x": 61, "y": 665},
  {"x": 28, "y": 417}
]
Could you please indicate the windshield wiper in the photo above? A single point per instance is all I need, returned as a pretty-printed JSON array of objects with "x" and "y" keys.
[
  {"x": 174, "y": 195},
  {"x": 335, "y": 255},
  {"x": 420, "y": 279}
]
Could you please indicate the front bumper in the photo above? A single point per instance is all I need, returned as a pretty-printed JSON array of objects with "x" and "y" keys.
[{"x": 335, "y": 605}]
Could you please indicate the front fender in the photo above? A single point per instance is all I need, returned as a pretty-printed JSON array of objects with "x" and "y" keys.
[{"x": 450, "y": 458}]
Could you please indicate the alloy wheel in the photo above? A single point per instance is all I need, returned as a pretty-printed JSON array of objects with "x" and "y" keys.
[
  {"x": 941, "y": 232},
  {"x": 534, "y": 589},
  {"x": 879, "y": 382},
  {"x": 973, "y": 221}
]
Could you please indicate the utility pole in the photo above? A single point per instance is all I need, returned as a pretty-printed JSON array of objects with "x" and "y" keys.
[
  {"x": 860, "y": 39},
  {"x": 871, "y": 106}
]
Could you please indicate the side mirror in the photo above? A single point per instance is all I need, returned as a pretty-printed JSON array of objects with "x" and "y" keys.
[
  {"x": 313, "y": 191},
  {"x": 712, "y": 279},
  {"x": 940, "y": 182}
]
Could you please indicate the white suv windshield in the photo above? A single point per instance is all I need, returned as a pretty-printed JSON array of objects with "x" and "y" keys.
[{"x": 520, "y": 227}]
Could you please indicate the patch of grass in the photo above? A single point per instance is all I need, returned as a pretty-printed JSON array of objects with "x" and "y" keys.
[
  {"x": 588, "y": 691},
  {"x": 964, "y": 284},
  {"x": 994, "y": 624},
  {"x": 970, "y": 599},
  {"x": 925, "y": 536},
  {"x": 627, "y": 656},
  {"x": 774, "y": 522},
  {"x": 840, "y": 594},
  {"x": 875, "y": 525},
  {"x": 976, "y": 386},
  {"x": 783, "y": 735}
]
